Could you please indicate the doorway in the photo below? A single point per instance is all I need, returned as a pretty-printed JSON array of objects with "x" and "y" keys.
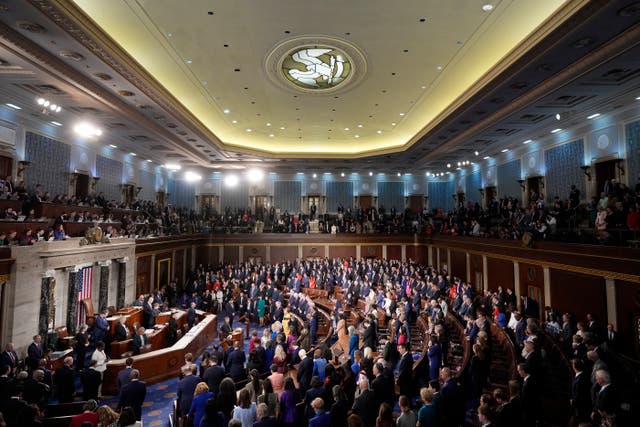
[
  {"x": 416, "y": 203},
  {"x": 82, "y": 186},
  {"x": 460, "y": 199},
  {"x": 313, "y": 202},
  {"x": 605, "y": 171},
  {"x": 533, "y": 189},
  {"x": 365, "y": 202},
  {"x": 6, "y": 166}
]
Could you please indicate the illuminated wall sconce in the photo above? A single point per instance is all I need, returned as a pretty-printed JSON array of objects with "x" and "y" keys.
[{"x": 586, "y": 169}]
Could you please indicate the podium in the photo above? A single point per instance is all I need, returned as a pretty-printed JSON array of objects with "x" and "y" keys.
[{"x": 314, "y": 227}]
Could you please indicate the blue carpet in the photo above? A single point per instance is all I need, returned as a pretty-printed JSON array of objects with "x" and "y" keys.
[{"x": 159, "y": 401}]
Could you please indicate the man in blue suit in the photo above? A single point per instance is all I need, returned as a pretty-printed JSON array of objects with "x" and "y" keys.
[
  {"x": 133, "y": 394},
  {"x": 100, "y": 327},
  {"x": 322, "y": 418},
  {"x": 124, "y": 376},
  {"x": 186, "y": 387}
]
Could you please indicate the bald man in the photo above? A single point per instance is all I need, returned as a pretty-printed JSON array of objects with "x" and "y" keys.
[{"x": 65, "y": 384}]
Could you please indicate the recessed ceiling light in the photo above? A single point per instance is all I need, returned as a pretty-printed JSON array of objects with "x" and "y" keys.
[
  {"x": 315, "y": 175},
  {"x": 113, "y": 146},
  {"x": 172, "y": 166},
  {"x": 271, "y": 135},
  {"x": 370, "y": 173},
  {"x": 169, "y": 34},
  {"x": 638, "y": 98},
  {"x": 268, "y": 124},
  {"x": 402, "y": 114},
  {"x": 504, "y": 150},
  {"x": 234, "y": 121},
  {"x": 399, "y": 174},
  {"x": 558, "y": 116},
  {"x": 448, "y": 165},
  {"x": 226, "y": 111},
  {"x": 458, "y": 168},
  {"x": 593, "y": 116},
  {"x": 342, "y": 174},
  {"x": 439, "y": 68},
  {"x": 248, "y": 129},
  {"x": 356, "y": 136},
  {"x": 56, "y": 123},
  {"x": 556, "y": 130},
  {"x": 133, "y": 154},
  {"x": 487, "y": 7},
  {"x": 459, "y": 163},
  {"x": 282, "y": 128},
  {"x": 527, "y": 141},
  {"x": 149, "y": 161},
  {"x": 189, "y": 61},
  {"x": 359, "y": 126},
  {"x": 14, "y": 106},
  {"x": 379, "y": 132},
  {"x": 346, "y": 128},
  {"x": 393, "y": 124},
  {"x": 423, "y": 87},
  {"x": 476, "y": 153},
  {"x": 486, "y": 157}
]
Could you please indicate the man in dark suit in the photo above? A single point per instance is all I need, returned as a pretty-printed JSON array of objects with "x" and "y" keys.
[
  {"x": 214, "y": 375},
  {"x": 91, "y": 380},
  {"x": 121, "y": 331},
  {"x": 611, "y": 338},
  {"x": 186, "y": 387},
  {"x": 133, "y": 394},
  {"x": 452, "y": 400},
  {"x": 9, "y": 358},
  {"x": 369, "y": 338},
  {"x": 305, "y": 370},
  {"x": 35, "y": 390},
  {"x": 382, "y": 386},
  {"x": 124, "y": 376},
  {"x": 530, "y": 395},
  {"x": 606, "y": 398},
  {"x": 191, "y": 315},
  {"x": 35, "y": 352},
  {"x": 322, "y": 418},
  {"x": 148, "y": 316},
  {"x": 313, "y": 327},
  {"x": 405, "y": 371},
  {"x": 100, "y": 327},
  {"x": 580, "y": 394},
  {"x": 365, "y": 404},
  {"x": 140, "y": 340},
  {"x": 235, "y": 363},
  {"x": 530, "y": 307},
  {"x": 262, "y": 417},
  {"x": 6, "y": 383},
  {"x": 65, "y": 385}
]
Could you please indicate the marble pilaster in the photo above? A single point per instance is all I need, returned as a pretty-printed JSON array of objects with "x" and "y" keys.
[
  {"x": 103, "y": 293},
  {"x": 122, "y": 283},
  {"x": 72, "y": 301},
  {"x": 45, "y": 306}
]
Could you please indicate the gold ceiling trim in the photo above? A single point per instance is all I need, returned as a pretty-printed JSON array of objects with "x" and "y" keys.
[{"x": 114, "y": 55}]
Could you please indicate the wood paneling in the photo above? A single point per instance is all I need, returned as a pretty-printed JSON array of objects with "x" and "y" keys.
[
  {"x": 283, "y": 253},
  {"x": 530, "y": 275},
  {"x": 578, "y": 294},
  {"x": 207, "y": 255},
  {"x": 311, "y": 251},
  {"x": 459, "y": 264},
  {"x": 443, "y": 259},
  {"x": 231, "y": 254},
  {"x": 628, "y": 304},
  {"x": 500, "y": 273},
  {"x": 255, "y": 252},
  {"x": 143, "y": 275},
  {"x": 178, "y": 263},
  {"x": 394, "y": 252},
  {"x": 342, "y": 251},
  {"x": 371, "y": 251}
]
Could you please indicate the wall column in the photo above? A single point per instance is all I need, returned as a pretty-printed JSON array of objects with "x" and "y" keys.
[
  {"x": 152, "y": 276},
  {"x": 438, "y": 265},
  {"x": 240, "y": 253},
  {"x": 267, "y": 255},
  {"x": 122, "y": 282},
  {"x": 430, "y": 255},
  {"x": 384, "y": 251},
  {"x": 326, "y": 251},
  {"x": 358, "y": 251},
  {"x": 485, "y": 273},
  {"x": 449, "y": 260},
  {"x": 46, "y": 307},
  {"x": 193, "y": 262},
  {"x": 103, "y": 292},
  {"x": 300, "y": 251},
  {"x": 468, "y": 266},
  {"x": 186, "y": 267},
  {"x": 403, "y": 253},
  {"x": 516, "y": 280},
  {"x": 612, "y": 310},
  {"x": 72, "y": 306},
  {"x": 547, "y": 288}
]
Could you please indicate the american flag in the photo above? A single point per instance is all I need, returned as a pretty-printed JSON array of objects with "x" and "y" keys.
[{"x": 85, "y": 289}]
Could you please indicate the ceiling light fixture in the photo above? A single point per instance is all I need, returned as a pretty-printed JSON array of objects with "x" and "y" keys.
[
  {"x": 439, "y": 68},
  {"x": 255, "y": 175},
  {"x": 476, "y": 153},
  {"x": 56, "y": 123},
  {"x": 402, "y": 114},
  {"x": 359, "y": 126},
  {"x": 271, "y": 135},
  {"x": 234, "y": 121},
  {"x": 486, "y": 157},
  {"x": 113, "y": 146},
  {"x": 282, "y": 128},
  {"x": 315, "y": 175},
  {"x": 226, "y": 111},
  {"x": 593, "y": 116},
  {"x": 487, "y": 7},
  {"x": 399, "y": 174},
  {"x": 558, "y": 116},
  {"x": 342, "y": 174},
  {"x": 172, "y": 166},
  {"x": 190, "y": 176},
  {"x": 448, "y": 165},
  {"x": 248, "y": 129},
  {"x": 133, "y": 154},
  {"x": 393, "y": 124},
  {"x": 356, "y": 136},
  {"x": 379, "y": 132},
  {"x": 556, "y": 130},
  {"x": 346, "y": 128},
  {"x": 231, "y": 180},
  {"x": 527, "y": 141},
  {"x": 48, "y": 106},
  {"x": 504, "y": 150},
  {"x": 268, "y": 124},
  {"x": 87, "y": 129},
  {"x": 370, "y": 173},
  {"x": 14, "y": 106}
]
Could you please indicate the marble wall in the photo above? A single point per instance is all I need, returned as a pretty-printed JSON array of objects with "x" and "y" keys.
[
  {"x": 50, "y": 162},
  {"x": 287, "y": 195},
  {"x": 110, "y": 173},
  {"x": 339, "y": 193},
  {"x": 563, "y": 169},
  {"x": 391, "y": 195},
  {"x": 57, "y": 260}
]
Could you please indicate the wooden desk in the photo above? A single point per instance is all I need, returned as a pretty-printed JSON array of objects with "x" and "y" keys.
[
  {"x": 162, "y": 364},
  {"x": 131, "y": 314}
]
